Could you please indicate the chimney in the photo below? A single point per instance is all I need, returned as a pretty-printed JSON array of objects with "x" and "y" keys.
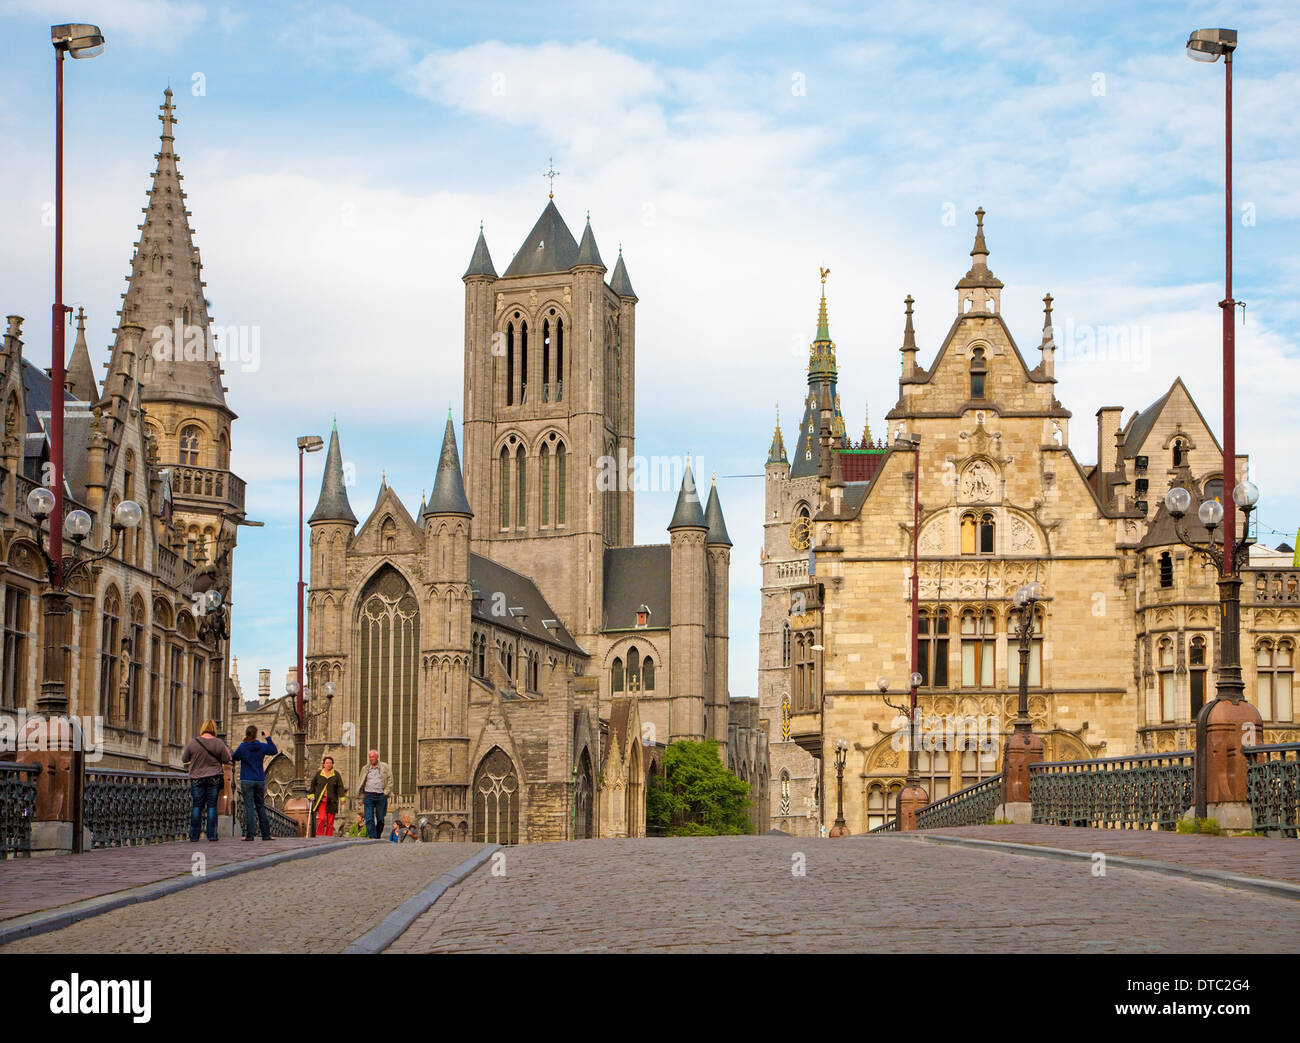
[
  {"x": 1108, "y": 421},
  {"x": 263, "y": 685}
]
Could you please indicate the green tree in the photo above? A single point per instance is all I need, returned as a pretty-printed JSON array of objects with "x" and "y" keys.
[{"x": 696, "y": 795}]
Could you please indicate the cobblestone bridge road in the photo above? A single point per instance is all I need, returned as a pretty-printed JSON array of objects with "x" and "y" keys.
[{"x": 881, "y": 894}]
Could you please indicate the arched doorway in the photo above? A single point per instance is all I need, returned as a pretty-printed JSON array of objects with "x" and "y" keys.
[
  {"x": 496, "y": 800},
  {"x": 582, "y": 802}
]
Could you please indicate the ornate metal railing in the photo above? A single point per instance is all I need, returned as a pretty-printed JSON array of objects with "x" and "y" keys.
[
  {"x": 17, "y": 806},
  {"x": 1273, "y": 782},
  {"x": 889, "y": 827},
  {"x": 125, "y": 808},
  {"x": 281, "y": 824},
  {"x": 972, "y": 806},
  {"x": 1149, "y": 792}
]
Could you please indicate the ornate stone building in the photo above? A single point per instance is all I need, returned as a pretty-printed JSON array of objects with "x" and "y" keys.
[
  {"x": 507, "y": 648},
  {"x": 144, "y": 655},
  {"x": 1125, "y": 642}
]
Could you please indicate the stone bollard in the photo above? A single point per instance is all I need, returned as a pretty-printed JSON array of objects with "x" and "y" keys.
[
  {"x": 1226, "y": 796},
  {"x": 1023, "y": 749},
  {"x": 298, "y": 809},
  {"x": 226, "y": 801},
  {"x": 911, "y": 799}
]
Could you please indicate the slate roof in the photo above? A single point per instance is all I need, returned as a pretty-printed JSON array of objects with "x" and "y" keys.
[
  {"x": 587, "y": 250},
  {"x": 636, "y": 576},
  {"x": 448, "y": 495},
  {"x": 489, "y": 578},
  {"x": 481, "y": 262},
  {"x": 333, "y": 503},
  {"x": 619, "y": 282},
  {"x": 550, "y": 247},
  {"x": 717, "y": 524},
  {"x": 688, "y": 513}
]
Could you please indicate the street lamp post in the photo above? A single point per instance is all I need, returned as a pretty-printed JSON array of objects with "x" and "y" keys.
[
  {"x": 300, "y": 736},
  {"x": 1023, "y": 746},
  {"x": 840, "y": 829},
  {"x": 913, "y": 796},
  {"x": 306, "y": 444},
  {"x": 79, "y": 41},
  {"x": 1212, "y": 756}
]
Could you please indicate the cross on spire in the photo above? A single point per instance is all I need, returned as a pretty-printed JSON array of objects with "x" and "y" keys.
[{"x": 551, "y": 174}]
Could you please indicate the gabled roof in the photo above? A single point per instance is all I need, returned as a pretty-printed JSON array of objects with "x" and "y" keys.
[
  {"x": 1139, "y": 427},
  {"x": 636, "y": 576},
  {"x": 549, "y": 247}
]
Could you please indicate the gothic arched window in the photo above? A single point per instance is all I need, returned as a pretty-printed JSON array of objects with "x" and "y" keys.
[
  {"x": 190, "y": 446},
  {"x": 561, "y": 477},
  {"x": 978, "y": 372},
  {"x": 505, "y": 488},
  {"x": 559, "y": 360},
  {"x": 616, "y": 676},
  {"x": 510, "y": 363},
  {"x": 633, "y": 669},
  {"x": 648, "y": 675},
  {"x": 544, "y": 483},
  {"x": 496, "y": 800},
  {"x": 986, "y": 533},
  {"x": 389, "y": 661},
  {"x": 546, "y": 359},
  {"x": 523, "y": 362},
  {"x": 109, "y": 650},
  {"x": 968, "y": 534},
  {"x": 521, "y": 478}
]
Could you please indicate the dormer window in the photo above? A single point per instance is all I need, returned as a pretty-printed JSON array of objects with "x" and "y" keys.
[{"x": 978, "y": 371}]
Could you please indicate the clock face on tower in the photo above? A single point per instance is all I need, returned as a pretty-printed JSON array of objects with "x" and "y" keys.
[{"x": 801, "y": 533}]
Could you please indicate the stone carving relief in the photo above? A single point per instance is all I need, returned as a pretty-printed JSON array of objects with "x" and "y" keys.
[{"x": 978, "y": 483}]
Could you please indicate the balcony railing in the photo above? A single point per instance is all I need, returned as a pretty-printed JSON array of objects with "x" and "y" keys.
[
  {"x": 1273, "y": 586},
  {"x": 1273, "y": 782},
  {"x": 126, "y": 808},
  {"x": 17, "y": 806},
  {"x": 207, "y": 483},
  {"x": 972, "y": 806},
  {"x": 1149, "y": 792}
]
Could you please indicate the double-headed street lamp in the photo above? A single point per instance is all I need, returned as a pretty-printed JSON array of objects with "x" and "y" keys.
[
  {"x": 840, "y": 829},
  {"x": 306, "y": 444},
  {"x": 1023, "y": 746}
]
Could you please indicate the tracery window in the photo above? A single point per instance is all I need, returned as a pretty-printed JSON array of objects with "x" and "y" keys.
[{"x": 389, "y": 660}]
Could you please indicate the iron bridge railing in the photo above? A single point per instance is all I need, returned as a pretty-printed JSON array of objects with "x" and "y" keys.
[
  {"x": 972, "y": 806},
  {"x": 126, "y": 808},
  {"x": 1273, "y": 782},
  {"x": 889, "y": 827},
  {"x": 17, "y": 807},
  {"x": 1147, "y": 792},
  {"x": 281, "y": 824}
]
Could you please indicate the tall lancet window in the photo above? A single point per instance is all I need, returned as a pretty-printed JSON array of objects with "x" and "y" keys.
[
  {"x": 546, "y": 360},
  {"x": 561, "y": 465},
  {"x": 544, "y": 483},
  {"x": 510, "y": 363},
  {"x": 389, "y": 657},
  {"x": 523, "y": 362},
  {"x": 978, "y": 372},
  {"x": 559, "y": 360},
  {"x": 505, "y": 488},
  {"x": 521, "y": 477}
]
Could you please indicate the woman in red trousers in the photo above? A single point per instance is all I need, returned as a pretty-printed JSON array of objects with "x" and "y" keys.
[{"x": 327, "y": 793}]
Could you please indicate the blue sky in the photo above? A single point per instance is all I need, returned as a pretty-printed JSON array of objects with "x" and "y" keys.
[{"x": 339, "y": 158}]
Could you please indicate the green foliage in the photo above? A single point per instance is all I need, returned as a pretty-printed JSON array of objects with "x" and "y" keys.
[
  {"x": 1209, "y": 826},
  {"x": 696, "y": 796}
]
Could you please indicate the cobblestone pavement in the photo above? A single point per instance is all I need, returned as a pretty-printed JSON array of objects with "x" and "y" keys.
[
  {"x": 28, "y": 885},
  {"x": 881, "y": 894},
  {"x": 1271, "y": 858},
  {"x": 313, "y": 905}
]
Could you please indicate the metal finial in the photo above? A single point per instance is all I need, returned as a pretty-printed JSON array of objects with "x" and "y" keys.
[{"x": 551, "y": 174}]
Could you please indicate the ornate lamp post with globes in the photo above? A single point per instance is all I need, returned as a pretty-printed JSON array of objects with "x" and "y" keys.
[
  {"x": 1023, "y": 746},
  {"x": 1220, "y": 774},
  {"x": 841, "y": 828}
]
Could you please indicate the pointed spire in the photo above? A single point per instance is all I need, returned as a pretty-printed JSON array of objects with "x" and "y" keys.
[
  {"x": 713, "y": 515},
  {"x": 481, "y": 262},
  {"x": 166, "y": 295},
  {"x": 448, "y": 496},
  {"x": 776, "y": 454},
  {"x": 866, "y": 426},
  {"x": 587, "y": 252},
  {"x": 333, "y": 503},
  {"x": 1048, "y": 340},
  {"x": 823, "y": 325},
  {"x": 821, "y": 353},
  {"x": 81, "y": 374},
  {"x": 979, "y": 274},
  {"x": 688, "y": 514},
  {"x": 619, "y": 282},
  {"x": 980, "y": 246},
  {"x": 549, "y": 248}
]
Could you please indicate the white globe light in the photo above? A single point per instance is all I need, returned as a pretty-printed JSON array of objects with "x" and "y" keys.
[
  {"x": 331, "y": 689},
  {"x": 40, "y": 502},
  {"x": 291, "y": 687},
  {"x": 1020, "y": 597},
  {"x": 212, "y": 599},
  {"x": 77, "y": 524},
  {"x": 1035, "y": 591},
  {"x": 916, "y": 679},
  {"x": 1210, "y": 512},
  {"x": 1178, "y": 501},
  {"x": 882, "y": 683},
  {"x": 1246, "y": 494},
  {"x": 128, "y": 514},
  {"x": 306, "y": 695}
]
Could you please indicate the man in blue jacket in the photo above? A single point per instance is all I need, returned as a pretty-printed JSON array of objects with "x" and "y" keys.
[{"x": 252, "y": 779}]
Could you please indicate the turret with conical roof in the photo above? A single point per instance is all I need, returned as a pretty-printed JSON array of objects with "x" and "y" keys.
[
  {"x": 81, "y": 374},
  {"x": 448, "y": 488},
  {"x": 588, "y": 254},
  {"x": 480, "y": 264},
  {"x": 619, "y": 282},
  {"x": 717, "y": 548},
  {"x": 688, "y": 514},
  {"x": 689, "y": 613},
  {"x": 776, "y": 452},
  {"x": 713, "y": 516},
  {"x": 333, "y": 502}
]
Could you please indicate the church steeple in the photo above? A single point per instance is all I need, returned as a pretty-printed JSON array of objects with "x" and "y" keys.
[
  {"x": 165, "y": 292},
  {"x": 822, "y": 377},
  {"x": 821, "y": 356},
  {"x": 776, "y": 454},
  {"x": 980, "y": 290},
  {"x": 333, "y": 503}
]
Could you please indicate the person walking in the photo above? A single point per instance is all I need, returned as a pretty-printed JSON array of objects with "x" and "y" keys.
[
  {"x": 252, "y": 755},
  {"x": 327, "y": 793},
  {"x": 376, "y": 788},
  {"x": 205, "y": 754}
]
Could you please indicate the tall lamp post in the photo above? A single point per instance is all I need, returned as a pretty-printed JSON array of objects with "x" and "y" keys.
[
  {"x": 306, "y": 444},
  {"x": 79, "y": 41},
  {"x": 1023, "y": 746},
  {"x": 841, "y": 828},
  {"x": 300, "y": 736},
  {"x": 1212, "y": 756},
  {"x": 913, "y": 797}
]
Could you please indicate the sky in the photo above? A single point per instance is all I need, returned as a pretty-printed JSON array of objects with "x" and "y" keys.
[{"x": 338, "y": 160}]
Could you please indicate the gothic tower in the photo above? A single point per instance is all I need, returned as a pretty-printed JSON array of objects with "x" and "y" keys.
[
  {"x": 549, "y": 413},
  {"x": 690, "y": 611}
]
